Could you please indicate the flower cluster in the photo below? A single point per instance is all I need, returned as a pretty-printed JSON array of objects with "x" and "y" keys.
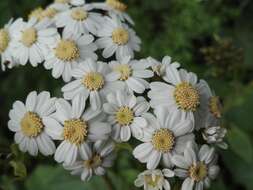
[{"x": 175, "y": 115}]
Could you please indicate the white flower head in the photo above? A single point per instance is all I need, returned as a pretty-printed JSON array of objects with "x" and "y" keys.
[
  {"x": 48, "y": 13},
  {"x": 166, "y": 135},
  {"x": 6, "y": 37},
  {"x": 160, "y": 67},
  {"x": 125, "y": 115},
  {"x": 68, "y": 52},
  {"x": 32, "y": 40},
  {"x": 132, "y": 73},
  {"x": 75, "y": 127},
  {"x": 95, "y": 161},
  {"x": 182, "y": 93},
  {"x": 197, "y": 167},
  {"x": 115, "y": 8},
  {"x": 26, "y": 120},
  {"x": 117, "y": 37},
  {"x": 215, "y": 135},
  {"x": 94, "y": 80},
  {"x": 79, "y": 20},
  {"x": 154, "y": 179}
]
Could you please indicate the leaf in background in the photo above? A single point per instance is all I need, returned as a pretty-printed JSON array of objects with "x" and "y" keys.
[
  {"x": 19, "y": 169},
  {"x": 240, "y": 143}
]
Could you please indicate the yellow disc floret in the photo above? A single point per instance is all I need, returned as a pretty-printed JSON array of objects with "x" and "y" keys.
[
  {"x": 67, "y": 50},
  {"x": 120, "y": 36},
  {"x": 93, "y": 81},
  {"x": 62, "y": 1},
  {"x": 116, "y": 4},
  {"x": 31, "y": 124},
  {"x": 124, "y": 70},
  {"x": 198, "y": 171},
  {"x": 36, "y": 13},
  {"x": 4, "y": 40},
  {"x": 94, "y": 162},
  {"x": 152, "y": 180},
  {"x": 79, "y": 14},
  {"x": 75, "y": 131},
  {"x": 29, "y": 37},
  {"x": 215, "y": 106},
  {"x": 48, "y": 13},
  {"x": 124, "y": 116},
  {"x": 163, "y": 140},
  {"x": 186, "y": 97}
]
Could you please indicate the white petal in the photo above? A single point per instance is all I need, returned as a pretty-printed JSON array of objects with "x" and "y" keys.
[{"x": 125, "y": 133}]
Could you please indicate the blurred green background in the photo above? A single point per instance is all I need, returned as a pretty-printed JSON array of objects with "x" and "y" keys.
[{"x": 213, "y": 38}]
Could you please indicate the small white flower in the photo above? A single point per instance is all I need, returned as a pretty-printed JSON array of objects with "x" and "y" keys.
[
  {"x": 48, "y": 13},
  {"x": 197, "y": 167},
  {"x": 67, "y": 53},
  {"x": 32, "y": 40},
  {"x": 94, "y": 80},
  {"x": 160, "y": 67},
  {"x": 132, "y": 73},
  {"x": 117, "y": 37},
  {"x": 154, "y": 179},
  {"x": 115, "y": 7},
  {"x": 95, "y": 161},
  {"x": 79, "y": 20},
  {"x": 215, "y": 135},
  {"x": 27, "y": 123},
  {"x": 75, "y": 127},
  {"x": 62, "y": 5},
  {"x": 125, "y": 115},
  {"x": 165, "y": 136},
  {"x": 184, "y": 94},
  {"x": 6, "y": 49}
]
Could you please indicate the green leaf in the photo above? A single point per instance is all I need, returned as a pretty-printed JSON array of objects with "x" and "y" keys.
[
  {"x": 19, "y": 169},
  {"x": 240, "y": 143}
]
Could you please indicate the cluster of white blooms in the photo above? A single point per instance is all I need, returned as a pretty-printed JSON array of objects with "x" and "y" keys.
[{"x": 173, "y": 113}]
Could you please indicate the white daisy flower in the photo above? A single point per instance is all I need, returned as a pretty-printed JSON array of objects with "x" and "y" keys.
[
  {"x": 62, "y": 5},
  {"x": 79, "y": 20},
  {"x": 6, "y": 49},
  {"x": 160, "y": 67},
  {"x": 125, "y": 115},
  {"x": 26, "y": 120},
  {"x": 132, "y": 73},
  {"x": 215, "y": 135},
  {"x": 75, "y": 127},
  {"x": 165, "y": 136},
  {"x": 95, "y": 161},
  {"x": 31, "y": 41},
  {"x": 67, "y": 53},
  {"x": 184, "y": 94},
  {"x": 117, "y": 37},
  {"x": 94, "y": 80},
  {"x": 197, "y": 167},
  {"x": 115, "y": 7},
  {"x": 154, "y": 179}
]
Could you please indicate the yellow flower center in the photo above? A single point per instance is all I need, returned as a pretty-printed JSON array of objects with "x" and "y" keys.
[
  {"x": 124, "y": 116},
  {"x": 79, "y": 14},
  {"x": 152, "y": 180},
  {"x": 75, "y": 131},
  {"x": 116, "y": 4},
  {"x": 29, "y": 37},
  {"x": 120, "y": 36},
  {"x": 94, "y": 162},
  {"x": 124, "y": 70},
  {"x": 67, "y": 50},
  {"x": 93, "y": 81},
  {"x": 163, "y": 140},
  {"x": 187, "y": 97},
  {"x": 62, "y": 1},
  {"x": 48, "y": 13},
  {"x": 31, "y": 124},
  {"x": 215, "y": 106},
  {"x": 36, "y": 13},
  {"x": 198, "y": 172},
  {"x": 4, "y": 40}
]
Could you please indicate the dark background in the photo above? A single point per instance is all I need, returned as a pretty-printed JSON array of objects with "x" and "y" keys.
[{"x": 213, "y": 38}]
